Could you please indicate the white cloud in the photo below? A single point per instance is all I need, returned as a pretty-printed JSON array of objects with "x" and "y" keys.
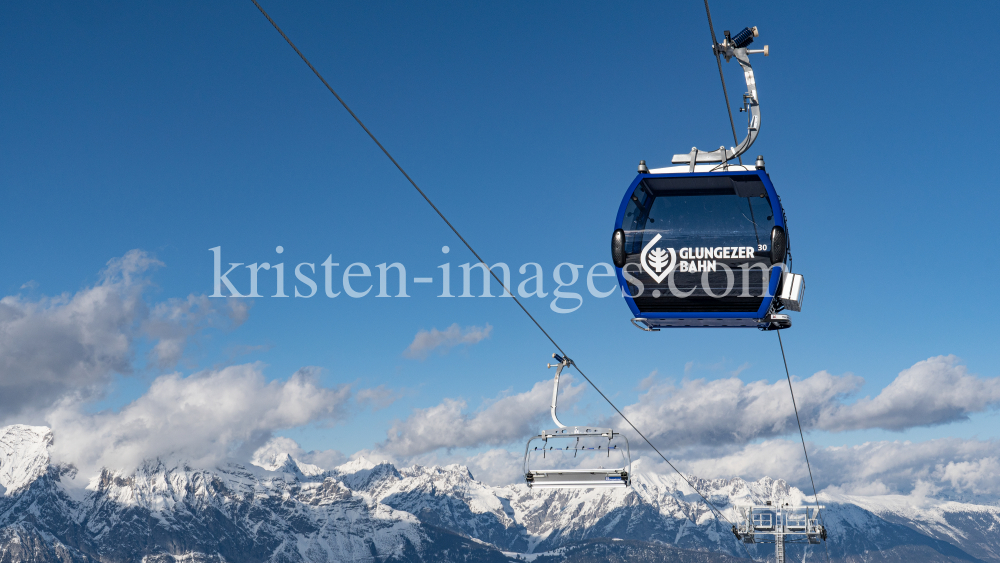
[
  {"x": 174, "y": 321},
  {"x": 953, "y": 465},
  {"x": 69, "y": 342},
  {"x": 708, "y": 425},
  {"x": 728, "y": 411},
  {"x": 934, "y": 391},
  {"x": 325, "y": 459},
  {"x": 269, "y": 455},
  {"x": 949, "y": 466},
  {"x": 265, "y": 455},
  {"x": 428, "y": 340},
  {"x": 501, "y": 421},
  {"x": 648, "y": 381},
  {"x": 377, "y": 398},
  {"x": 780, "y": 459},
  {"x": 74, "y": 344},
  {"x": 203, "y": 418},
  {"x": 978, "y": 476},
  {"x": 497, "y": 467}
]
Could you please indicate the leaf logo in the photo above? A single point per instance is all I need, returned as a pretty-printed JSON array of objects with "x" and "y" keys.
[{"x": 658, "y": 263}]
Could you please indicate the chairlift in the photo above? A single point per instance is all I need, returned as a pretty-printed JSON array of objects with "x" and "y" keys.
[
  {"x": 564, "y": 439},
  {"x": 705, "y": 244}
]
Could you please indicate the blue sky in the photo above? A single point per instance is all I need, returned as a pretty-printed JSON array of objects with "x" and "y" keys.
[{"x": 176, "y": 128}]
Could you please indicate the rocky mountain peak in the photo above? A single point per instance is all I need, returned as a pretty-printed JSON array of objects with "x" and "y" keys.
[
  {"x": 24, "y": 455},
  {"x": 360, "y": 464}
]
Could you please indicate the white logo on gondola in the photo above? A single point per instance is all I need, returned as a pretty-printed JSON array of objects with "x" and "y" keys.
[{"x": 663, "y": 261}]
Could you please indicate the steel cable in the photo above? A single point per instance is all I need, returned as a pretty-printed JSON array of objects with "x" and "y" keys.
[
  {"x": 725, "y": 93},
  {"x": 803, "y": 436},
  {"x": 732, "y": 125},
  {"x": 476, "y": 254}
]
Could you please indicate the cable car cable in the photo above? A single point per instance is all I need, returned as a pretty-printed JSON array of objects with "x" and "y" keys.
[
  {"x": 725, "y": 93},
  {"x": 403, "y": 172},
  {"x": 641, "y": 435},
  {"x": 801, "y": 435},
  {"x": 467, "y": 245}
]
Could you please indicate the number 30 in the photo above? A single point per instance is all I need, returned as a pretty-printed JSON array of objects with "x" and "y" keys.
[{"x": 761, "y": 247}]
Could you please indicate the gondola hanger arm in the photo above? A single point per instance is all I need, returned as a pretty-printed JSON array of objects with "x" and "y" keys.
[{"x": 733, "y": 47}]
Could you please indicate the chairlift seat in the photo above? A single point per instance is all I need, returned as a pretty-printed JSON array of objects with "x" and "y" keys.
[{"x": 578, "y": 478}]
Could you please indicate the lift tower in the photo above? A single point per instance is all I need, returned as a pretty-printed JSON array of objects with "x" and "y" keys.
[{"x": 779, "y": 524}]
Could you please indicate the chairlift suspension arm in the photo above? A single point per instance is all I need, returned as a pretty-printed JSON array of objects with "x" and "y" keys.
[{"x": 563, "y": 362}]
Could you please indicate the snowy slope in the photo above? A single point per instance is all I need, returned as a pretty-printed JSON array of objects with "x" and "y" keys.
[
  {"x": 24, "y": 455},
  {"x": 973, "y": 527}
]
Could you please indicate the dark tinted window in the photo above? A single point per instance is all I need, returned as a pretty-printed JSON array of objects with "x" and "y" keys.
[
  {"x": 693, "y": 217},
  {"x": 691, "y": 212}
]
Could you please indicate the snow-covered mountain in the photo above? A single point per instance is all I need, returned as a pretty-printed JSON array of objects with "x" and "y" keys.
[{"x": 287, "y": 511}]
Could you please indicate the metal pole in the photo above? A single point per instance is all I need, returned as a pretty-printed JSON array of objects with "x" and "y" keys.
[{"x": 779, "y": 536}]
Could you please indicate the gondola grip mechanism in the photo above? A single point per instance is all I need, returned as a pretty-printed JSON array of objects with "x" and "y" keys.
[{"x": 734, "y": 46}]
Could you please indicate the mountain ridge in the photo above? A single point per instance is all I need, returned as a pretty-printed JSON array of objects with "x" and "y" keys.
[{"x": 366, "y": 512}]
